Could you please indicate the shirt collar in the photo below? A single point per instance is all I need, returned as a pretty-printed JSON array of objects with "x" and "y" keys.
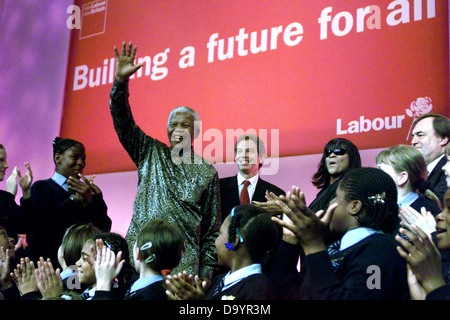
[
  {"x": 241, "y": 179},
  {"x": 67, "y": 273},
  {"x": 60, "y": 180},
  {"x": 354, "y": 236},
  {"x": 408, "y": 199},
  {"x": 233, "y": 278},
  {"x": 145, "y": 282},
  {"x": 432, "y": 164}
]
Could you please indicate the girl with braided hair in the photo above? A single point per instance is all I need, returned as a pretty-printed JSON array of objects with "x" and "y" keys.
[
  {"x": 364, "y": 263},
  {"x": 64, "y": 199},
  {"x": 247, "y": 243}
]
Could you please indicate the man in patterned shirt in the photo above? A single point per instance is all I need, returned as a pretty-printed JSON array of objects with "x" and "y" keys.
[{"x": 175, "y": 184}]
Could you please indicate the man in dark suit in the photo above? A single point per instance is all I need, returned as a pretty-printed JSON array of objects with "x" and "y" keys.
[
  {"x": 431, "y": 134},
  {"x": 249, "y": 154}
]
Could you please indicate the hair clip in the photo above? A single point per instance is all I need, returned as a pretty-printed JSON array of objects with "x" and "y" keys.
[
  {"x": 378, "y": 198},
  {"x": 150, "y": 258},
  {"x": 146, "y": 246},
  {"x": 107, "y": 244},
  {"x": 229, "y": 246}
]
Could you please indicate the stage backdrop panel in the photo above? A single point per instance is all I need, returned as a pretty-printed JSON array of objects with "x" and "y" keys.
[{"x": 299, "y": 73}]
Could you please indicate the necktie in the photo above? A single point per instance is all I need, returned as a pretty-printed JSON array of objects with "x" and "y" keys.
[
  {"x": 219, "y": 287},
  {"x": 85, "y": 295},
  {"x": 333, "y": 253},
  {"x": 334, "y": 248},
  {"x": 245, "y": 199}
]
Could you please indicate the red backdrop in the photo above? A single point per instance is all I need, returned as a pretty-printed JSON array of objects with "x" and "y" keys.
[{"x": 353, "y": 74}]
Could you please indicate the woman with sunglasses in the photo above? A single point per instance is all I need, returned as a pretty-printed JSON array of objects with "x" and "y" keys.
[{"x": 339, "y": 156}]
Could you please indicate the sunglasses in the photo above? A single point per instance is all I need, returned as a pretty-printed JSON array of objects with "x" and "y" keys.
[{"x": 336, "y": 151}]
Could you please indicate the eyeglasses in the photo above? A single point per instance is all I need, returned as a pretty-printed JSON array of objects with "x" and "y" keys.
[{"x": 337, "y": 152}]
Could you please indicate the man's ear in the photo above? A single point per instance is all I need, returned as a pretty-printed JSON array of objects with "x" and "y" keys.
[
  {"x": 444, "y": 142},
  {"x": 261, "y": 159}
]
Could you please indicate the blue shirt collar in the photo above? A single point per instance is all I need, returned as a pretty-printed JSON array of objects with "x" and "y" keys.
[
  {"x": 67, "y": 273},
  {"x": 408, "y": 199},
  {"x": 145, "y": 282},
  {"x": 233, "y": 278},
  {"x": 61, "y": 181},
  {"x": 354, "y": 236}
]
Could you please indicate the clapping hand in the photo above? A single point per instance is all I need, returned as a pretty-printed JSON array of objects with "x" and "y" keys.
[
  {"x": 185, "y": 287},
  {"x": 425, "y": 221},
  {"x": 48, "y": 280},
  {"x": 270, "y": 205},
  {"x": 84, "y": 188},
  {"x": 423, "y": 259},
  {"x": 107, "y": 266},
  {"x": 310, "y": 228},
  {"x": 24, "y": 181},
  {"x": 5, "y": 280},
  {"x": 24, "y": 276}
]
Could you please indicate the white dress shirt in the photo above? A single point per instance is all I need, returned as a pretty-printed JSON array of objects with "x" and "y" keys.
[{"x": 251, "y": 187}]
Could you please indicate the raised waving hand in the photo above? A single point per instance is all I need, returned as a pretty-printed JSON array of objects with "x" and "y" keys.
[{"x": 125, "y": 66}]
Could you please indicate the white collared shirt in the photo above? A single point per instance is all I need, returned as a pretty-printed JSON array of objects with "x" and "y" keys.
[
  {"x": 433, "y": 164},
  {"x": 251, "y": 187},
  {"x": 232, "y": 278},
  {"x": 61, "y": 181},
  {"x": 354, "y": 236}
]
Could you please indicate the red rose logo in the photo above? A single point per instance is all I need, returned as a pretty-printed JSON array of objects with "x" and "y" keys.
[{"x": 418, "y": 108}]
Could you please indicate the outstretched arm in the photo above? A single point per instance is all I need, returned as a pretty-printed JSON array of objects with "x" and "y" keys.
[{"x": 132, "y": 138}]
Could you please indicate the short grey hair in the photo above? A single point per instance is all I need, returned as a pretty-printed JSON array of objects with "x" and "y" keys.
[{"x": 183, "y": 109}]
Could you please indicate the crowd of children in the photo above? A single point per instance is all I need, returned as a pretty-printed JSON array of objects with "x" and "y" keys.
[{"x": 390, "y": 243}]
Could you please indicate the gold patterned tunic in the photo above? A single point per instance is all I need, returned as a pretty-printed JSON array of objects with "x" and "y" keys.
[{"x": 185, "y": 193}]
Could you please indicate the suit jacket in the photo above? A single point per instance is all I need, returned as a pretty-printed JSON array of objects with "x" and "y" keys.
[
  {"x": 429, "y": 204},
  {"x": 437, "y": 180},
  {"x": 229, "y": 193}
]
